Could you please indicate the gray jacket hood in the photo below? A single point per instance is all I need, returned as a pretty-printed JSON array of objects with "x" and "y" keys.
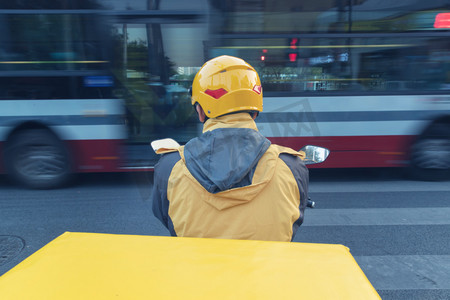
[{"x": 225, "y": 158}]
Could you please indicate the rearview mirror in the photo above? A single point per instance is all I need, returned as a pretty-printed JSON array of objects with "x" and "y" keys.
[{"x": 315, "y": 154}]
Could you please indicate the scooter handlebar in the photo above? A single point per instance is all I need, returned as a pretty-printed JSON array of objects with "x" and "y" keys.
[{"x": 310, "y": 203}]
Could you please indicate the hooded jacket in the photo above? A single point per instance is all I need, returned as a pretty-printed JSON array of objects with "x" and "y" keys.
[{"x": 231, "y": 182}]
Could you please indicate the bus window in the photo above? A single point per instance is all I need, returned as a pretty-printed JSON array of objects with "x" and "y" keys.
[
  {"x": 51, "y": 42},
  {"x": 157, "y": 68},
  {"x": 53, "y": 56},
  {"x": 293, "y": 17},
  {"x": 345, "y": 64},
  {"x": 419, "y": 65}
]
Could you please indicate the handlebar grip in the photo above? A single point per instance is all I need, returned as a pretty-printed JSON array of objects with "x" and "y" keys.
[{"x": 310, "y": 204}]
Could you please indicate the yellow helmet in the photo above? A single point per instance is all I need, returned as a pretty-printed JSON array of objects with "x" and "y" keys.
[{"x": 227, "y": 84}]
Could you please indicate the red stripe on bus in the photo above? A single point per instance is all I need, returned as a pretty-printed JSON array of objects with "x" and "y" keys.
[
  {"x": 346, "y": 152},
  {"x": 95, "y": 155},
  {"x": 355, "y": 151},
  {"x": 88, "y": 155}
]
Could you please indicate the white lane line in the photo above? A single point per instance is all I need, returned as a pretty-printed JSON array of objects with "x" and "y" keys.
[
  {"x": 377, "y": 216},
  {"x": 407, "y": 272}
]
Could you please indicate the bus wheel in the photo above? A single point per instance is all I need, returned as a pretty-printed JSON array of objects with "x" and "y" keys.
[
  {"x": 430, "y": 155},
  {"x": 37, "y": 159}
]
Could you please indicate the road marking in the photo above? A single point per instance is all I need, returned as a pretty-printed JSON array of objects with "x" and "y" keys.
[
  {"x": 377, "y": 216},
  {"x": 407, "y": 272}
]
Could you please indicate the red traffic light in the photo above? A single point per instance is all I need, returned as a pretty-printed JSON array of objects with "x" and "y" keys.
[
  {"x": 293, "y": 43},
  {"x": 292, "y": 57}
]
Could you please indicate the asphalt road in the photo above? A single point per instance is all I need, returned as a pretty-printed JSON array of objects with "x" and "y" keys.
[{"x": 397, "y": 229}]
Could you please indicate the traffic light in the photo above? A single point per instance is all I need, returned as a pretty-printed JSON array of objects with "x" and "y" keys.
[
  {"x": 293, "y": 49},
  {"x": 263, "y": 55}
]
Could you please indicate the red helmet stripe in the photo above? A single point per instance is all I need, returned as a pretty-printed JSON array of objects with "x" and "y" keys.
[
  {"x": 257, "y": 89},
  {"x": 216, "y": 94}
]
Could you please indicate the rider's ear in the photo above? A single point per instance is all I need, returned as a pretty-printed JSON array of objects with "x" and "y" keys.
[{"x": 201, "y": 114}]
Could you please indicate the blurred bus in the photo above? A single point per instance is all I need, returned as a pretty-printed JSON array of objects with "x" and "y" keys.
[
  {"x": 86, "y": 85},
  {"x": 58, "y": 114},
  {"x": 80, "y": 93},
  {"x": 370, "y": 80}
]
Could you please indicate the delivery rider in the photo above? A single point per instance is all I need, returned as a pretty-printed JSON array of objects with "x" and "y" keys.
[{"x": 230, "y": 182}]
